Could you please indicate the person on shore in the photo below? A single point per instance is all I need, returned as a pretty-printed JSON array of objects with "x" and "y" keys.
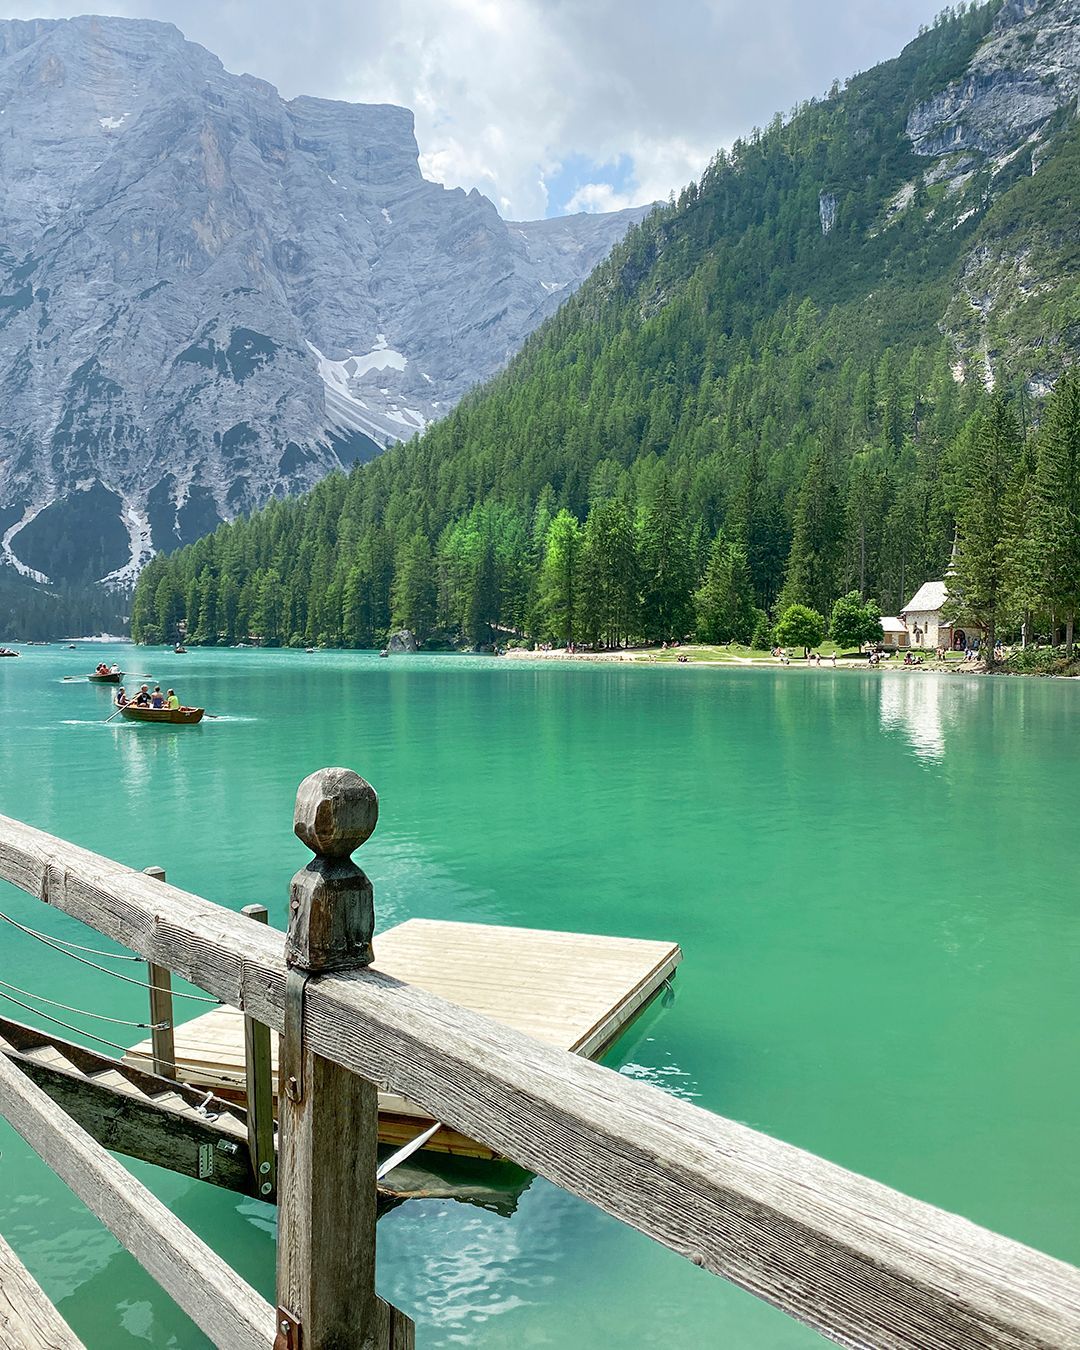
[
  {"x": 833, "y": 658},
  {"x": 172, "y": 702}
]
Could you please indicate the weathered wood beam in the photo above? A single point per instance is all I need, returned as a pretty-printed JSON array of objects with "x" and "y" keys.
[
  {"x": 863, "y": 1264},
  {"x": 328, "y": 1117},
  {"x": 216, "y": 1299},
  {"x": 259, "y": 1092},
  {"x": 162, "y": 1016},
  {"x": 28, "y": 1320}
]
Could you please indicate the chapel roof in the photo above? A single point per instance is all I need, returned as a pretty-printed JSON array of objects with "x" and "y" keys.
[{"x": 930, "y": 597}]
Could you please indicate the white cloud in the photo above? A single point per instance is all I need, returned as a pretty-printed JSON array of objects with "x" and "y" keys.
[
  {"x": 504, "y": 91},
  {"x": 598, "y": 197}
]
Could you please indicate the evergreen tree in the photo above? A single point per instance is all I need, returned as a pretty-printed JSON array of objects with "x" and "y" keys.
[
  {"x": 1056, "y": 525},
  {"x": 978, "y": 587},
  {"x": 609, "y": 585},
  {"x": 816, "y": 547},
  {"x": 1023, "y": 558},
  {"x": 560, "y": 581},
  {"x": 413, "y": 593},
  {"x": 666, "y": 560},
  {"x": 724, "y": 600}
]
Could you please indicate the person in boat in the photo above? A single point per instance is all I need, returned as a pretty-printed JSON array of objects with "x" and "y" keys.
[
  {"x": 142, "y": 698},
  {"x": 172, "y": 702},
  {"x": 102, "y": 668},
  {"x": 114, "y": 669},
  {"x": 121, "y": 699},
  {"x": 157, "y": 698}
]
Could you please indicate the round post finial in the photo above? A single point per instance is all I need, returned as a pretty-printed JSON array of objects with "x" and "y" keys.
[
  {"x": 336, "y": 811},
  {"x": 331, "y": 906}
]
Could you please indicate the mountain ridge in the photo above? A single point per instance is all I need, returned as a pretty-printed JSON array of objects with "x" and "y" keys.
[
  {"x": 210, "y": 295},
  {"x": 791, "y": 360}
]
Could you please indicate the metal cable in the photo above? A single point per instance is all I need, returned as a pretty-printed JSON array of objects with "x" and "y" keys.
[
  {"x": 125, "y": 1049},
  {"x": 51, "y": 942},
  {"x": 63, "y": 942},
  {"x": 85, "y": 1012},
  {"x": 49, "y": 1018}
]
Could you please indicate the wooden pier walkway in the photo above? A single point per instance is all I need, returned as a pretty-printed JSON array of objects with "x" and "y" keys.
[{"x": 574, "y": 991}]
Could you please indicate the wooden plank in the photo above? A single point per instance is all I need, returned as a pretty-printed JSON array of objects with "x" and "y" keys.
[
  {"x": 217, "y": 1300},
  {"x": 162, "y": 1015},
  {"x": 863, "y": 1264},
  {"x": 28, "y": 1320},
  {"x": 259, "y": 1090}
]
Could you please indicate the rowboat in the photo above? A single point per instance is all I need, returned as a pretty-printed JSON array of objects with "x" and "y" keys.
[
  {"x": 6, "y": 651},
  {"x": 181, "y": 717},
  {"x": 110, "y": 677}
]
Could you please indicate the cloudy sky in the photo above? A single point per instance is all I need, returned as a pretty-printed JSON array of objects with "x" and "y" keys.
[{"x": 548, "y": 106}]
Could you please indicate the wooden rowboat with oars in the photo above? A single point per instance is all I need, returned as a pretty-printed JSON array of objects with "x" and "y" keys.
[
  {"x": 110, "y": 677},
  {"x": 180, "y": 717}
]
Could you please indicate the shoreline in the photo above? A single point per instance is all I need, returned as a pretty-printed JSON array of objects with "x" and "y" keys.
[{"x": 652, "y": 656}]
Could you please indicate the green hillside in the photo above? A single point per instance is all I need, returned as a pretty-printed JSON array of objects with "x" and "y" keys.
[{"x": 771, "y": 392}]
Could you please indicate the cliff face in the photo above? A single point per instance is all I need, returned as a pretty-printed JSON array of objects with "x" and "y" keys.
[
  {"x": 1011, "y": 117},
  {"x": 210, "y": 296},
  {"x": 1026, "y": 70}
]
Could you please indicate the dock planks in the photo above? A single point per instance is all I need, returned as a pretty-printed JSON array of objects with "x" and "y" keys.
[{"x": 575, "y": 991}]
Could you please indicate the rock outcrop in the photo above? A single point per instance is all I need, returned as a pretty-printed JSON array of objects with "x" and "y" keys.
[
  {"x": 1026, "y": 70},
  {"x": 210, "y": 296}
]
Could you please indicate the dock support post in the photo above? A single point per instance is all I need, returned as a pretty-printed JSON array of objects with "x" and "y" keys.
[
  {"x": 161, "y": 1007},
  {"x": 260, "y": 1092},
  {"x": 328, "y": 1117}
]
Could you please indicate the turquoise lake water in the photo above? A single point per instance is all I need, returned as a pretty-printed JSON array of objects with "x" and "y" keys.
[{"x": 871, "y": 876}]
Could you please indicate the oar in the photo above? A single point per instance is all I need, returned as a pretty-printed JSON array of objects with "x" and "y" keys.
[
  {"x": 112, "y": 715},
  {"x": 413, "y": 1146}
]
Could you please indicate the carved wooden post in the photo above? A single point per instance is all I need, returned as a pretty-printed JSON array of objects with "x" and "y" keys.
[
  {"x": 258, "y": 1078},
  {"x": 162, "y": 1042},
  {"x": 328, "y": 1117}
]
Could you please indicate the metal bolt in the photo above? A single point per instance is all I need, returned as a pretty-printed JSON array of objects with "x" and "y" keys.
[
  {"x": 264, "y": 1167},
  {"x": 265, "y": 1188},
  {"x": 284, "y": 1328},
  {"x": 292, "y": 1088}
]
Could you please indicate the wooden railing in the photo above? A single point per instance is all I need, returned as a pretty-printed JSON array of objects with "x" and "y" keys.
[{"x": 863, "y": 1264}]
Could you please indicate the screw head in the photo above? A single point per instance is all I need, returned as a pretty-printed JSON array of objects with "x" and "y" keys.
[
  {"x": 265, "y": 1188},
  {"x": 264, "y": 1167},
  {"x": 336, "y": 810}
]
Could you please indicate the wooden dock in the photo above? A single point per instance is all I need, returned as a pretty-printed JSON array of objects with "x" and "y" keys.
[
  {"x": 573, "y": 991},
  {"x": 860, "y": 1263}
]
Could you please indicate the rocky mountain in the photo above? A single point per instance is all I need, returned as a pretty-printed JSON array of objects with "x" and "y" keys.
[{"x": 211, "y": 296}]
